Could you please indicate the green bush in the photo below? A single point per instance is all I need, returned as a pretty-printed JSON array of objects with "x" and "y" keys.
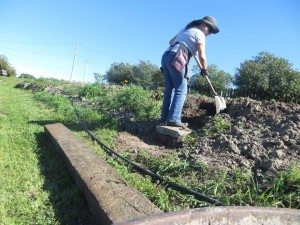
[
  {"x": 5, "y": 65},
  {"x": 115, "y": 102},
  {"x": 50, "y": 82},
  {"x": 62, "y": 106},
  {"x": 144, "y": 74},
  {"x": 219, "y": 79},
  {"x": 268, "y": 77},
  {"x": 134, "y": 99},
  {"x": 109, "y": 101},
  {"x": 90, "y": 91},
  {"x": 26, "y": 76}
]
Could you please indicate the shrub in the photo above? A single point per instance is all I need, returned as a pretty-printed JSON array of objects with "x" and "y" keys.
[
  {"x": 268, "y": 77},
  {"x": 90, "y": 91},
  {"x": 65, "y": 111},
  {"x": 26, "y": 76},
  {"x": 220, "y": 80},
  {"x": 5, "y": 65},
  {"x": 143, "y": 74},
  {"x": 134, "y": 99}
]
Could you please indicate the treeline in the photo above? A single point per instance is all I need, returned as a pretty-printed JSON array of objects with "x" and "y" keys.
[
  {"x": 265, "y": 76},
  {"x": 143, "y": 74}
]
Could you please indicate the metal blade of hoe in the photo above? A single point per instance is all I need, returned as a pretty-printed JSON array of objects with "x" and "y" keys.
[{"x": 219, "y": 100}]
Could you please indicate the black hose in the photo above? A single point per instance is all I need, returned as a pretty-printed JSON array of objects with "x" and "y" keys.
[{"x": 175, "y": 186}]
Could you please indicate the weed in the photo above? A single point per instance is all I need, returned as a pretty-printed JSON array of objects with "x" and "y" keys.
[
  {"x": 233, "y": 189},
  {"x": 136, "y": 100},
  {"x": 61, "y": 104},
  {"x": 190, "y": 139},
  {"x": 217, "y": 125},
  {"x": 90, "y": 91}
]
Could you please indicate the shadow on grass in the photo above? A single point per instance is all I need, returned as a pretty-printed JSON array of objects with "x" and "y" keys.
[
  {"x": 145, "y": 130},
  {"x": 71, "y": 125},
  {"x": 65, "y": 197}
]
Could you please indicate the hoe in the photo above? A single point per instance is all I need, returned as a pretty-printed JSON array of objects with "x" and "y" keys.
[{"x": 220, "y": 101}]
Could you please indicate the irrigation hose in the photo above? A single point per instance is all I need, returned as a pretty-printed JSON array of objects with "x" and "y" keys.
[{"x": 173, "y": 185}]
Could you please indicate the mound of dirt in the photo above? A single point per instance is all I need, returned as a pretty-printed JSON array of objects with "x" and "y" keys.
[{"x": 264, "y": 134}]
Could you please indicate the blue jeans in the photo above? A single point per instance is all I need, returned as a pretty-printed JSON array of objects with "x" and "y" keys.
[{"x": 175, "y": 89}]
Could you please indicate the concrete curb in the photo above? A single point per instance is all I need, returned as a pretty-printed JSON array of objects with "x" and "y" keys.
[
  {"x": 224, "y": 215},
  {"x": 109, "y": 197}
]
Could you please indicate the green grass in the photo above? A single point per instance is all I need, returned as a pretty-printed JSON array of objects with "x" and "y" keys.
[
  {"x": 110, "y": 101},
  {"x": 35, "y": 187},
  {"x": 166, "y": 199},
  {"x": 238, "y": 188}
]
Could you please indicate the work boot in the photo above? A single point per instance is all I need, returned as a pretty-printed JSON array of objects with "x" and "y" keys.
[
  {"x": 177, "y": 124},
  {"x": 162, "y": 122}
]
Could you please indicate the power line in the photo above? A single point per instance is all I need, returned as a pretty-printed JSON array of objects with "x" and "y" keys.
[
  {"x": 39, "y": 43},
  {"x": 94, "y": 62},
  {"x": 32, "y": 61},
  {"x": 58, "y": 54},
  {"x": 101, "y": 52},
  {"x": 40, "y": 53}
]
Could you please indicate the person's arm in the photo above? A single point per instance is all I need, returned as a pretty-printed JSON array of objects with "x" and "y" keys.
[
  {"x": 202, "y": 58},
  {"x": 202, "y": 55},
  {"x": 172, "y": 41}
]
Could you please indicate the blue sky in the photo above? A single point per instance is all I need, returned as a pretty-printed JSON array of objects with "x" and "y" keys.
[{"x": 39, "y": 37}]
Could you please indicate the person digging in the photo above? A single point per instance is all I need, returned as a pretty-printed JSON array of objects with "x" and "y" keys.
[{"x": 189, "y": 42}]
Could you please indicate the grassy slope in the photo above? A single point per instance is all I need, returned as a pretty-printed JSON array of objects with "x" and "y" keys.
[
  {"x": 35, "y": 187},
  {"x": 218, "y": 185}
]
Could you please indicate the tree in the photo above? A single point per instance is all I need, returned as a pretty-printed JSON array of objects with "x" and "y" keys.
[
  {"x": 98, "y": 77},
  {"x": 157, "y": 79},
  {"x": 147, "y": 74},
  {"x": 143, "y": 74},
  {"x": 268, "y": 77},
  {"x": 220, "y": 80},
  {"x": 120, "y": 73},
  {"x": 27, "y": 76},
  {"x": 4, "y": 65}
]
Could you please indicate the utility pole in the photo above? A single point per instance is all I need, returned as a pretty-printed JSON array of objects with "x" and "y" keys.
[
  {"x": 84, "y": 70},
  {"x": 74, "y": 61}
]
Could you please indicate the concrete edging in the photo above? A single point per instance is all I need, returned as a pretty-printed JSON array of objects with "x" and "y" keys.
[
  {"x": 109, "y": 197},
  {"x": 224, "y": 215}
]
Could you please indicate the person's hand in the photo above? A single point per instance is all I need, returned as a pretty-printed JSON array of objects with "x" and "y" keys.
[{"x": 204, "y": 72}]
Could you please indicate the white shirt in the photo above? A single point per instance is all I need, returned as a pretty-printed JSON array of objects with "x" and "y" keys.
[{"x": 190, "y": 38}]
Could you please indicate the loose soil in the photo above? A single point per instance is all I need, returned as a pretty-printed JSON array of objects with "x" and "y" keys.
[{"x": 264, "y": 135}]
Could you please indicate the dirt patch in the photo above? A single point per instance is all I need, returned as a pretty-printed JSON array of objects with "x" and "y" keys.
[
  {"x": 264, "y": 135},
  {"x": 130, "y": 143}
]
